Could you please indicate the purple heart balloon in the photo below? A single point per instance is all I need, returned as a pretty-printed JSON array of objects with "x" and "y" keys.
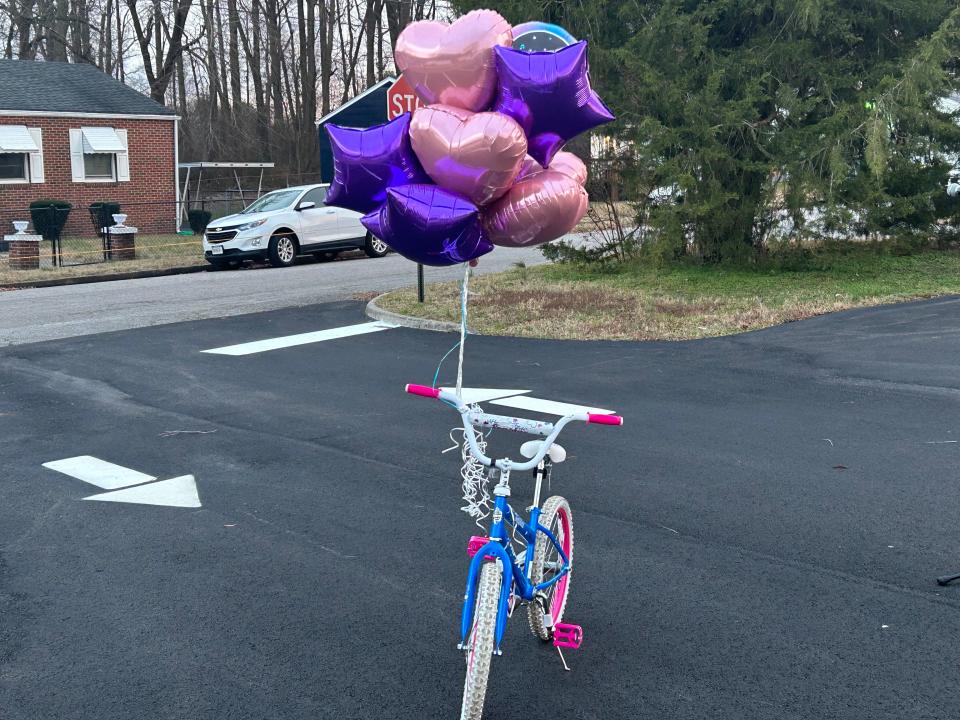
[
  {"x": 368, "y": 162},
  {"x": 429, "y": 225},
  {"x": 549, "y": 94}
]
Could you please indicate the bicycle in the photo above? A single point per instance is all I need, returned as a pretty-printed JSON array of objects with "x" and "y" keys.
[{"x": 498, "y": 578}]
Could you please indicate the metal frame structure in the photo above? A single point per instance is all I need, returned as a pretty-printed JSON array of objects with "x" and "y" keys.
[{"x": 201, "y": 166}]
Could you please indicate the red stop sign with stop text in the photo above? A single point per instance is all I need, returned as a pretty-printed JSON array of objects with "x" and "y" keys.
[{"x": 401, "y": 98}]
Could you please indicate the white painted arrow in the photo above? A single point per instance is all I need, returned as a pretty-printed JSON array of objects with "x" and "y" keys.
[
  {"x": 178, "y": 492},
  {"x": 98, "y": 472},
  {"x": 128, "y": 486}
]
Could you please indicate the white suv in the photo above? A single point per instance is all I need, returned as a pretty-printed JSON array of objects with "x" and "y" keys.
[{"x": 286, "y": 223}]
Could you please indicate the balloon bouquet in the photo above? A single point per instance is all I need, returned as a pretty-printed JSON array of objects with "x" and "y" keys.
[{"x": 480, "y": 164}]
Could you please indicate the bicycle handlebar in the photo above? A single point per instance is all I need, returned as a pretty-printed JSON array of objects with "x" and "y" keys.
[
  {"x": 423, "y": 391},
  {"x": 600, "y": 419},
  {"x": 472, "y": 419}
]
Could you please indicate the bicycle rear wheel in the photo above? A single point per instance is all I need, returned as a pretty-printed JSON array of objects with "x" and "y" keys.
[
  {"x": 557, "y": 517},
  {"x": 480, "y": 641}
]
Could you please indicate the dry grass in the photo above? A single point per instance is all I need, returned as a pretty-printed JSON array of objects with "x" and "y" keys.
[
  {"x": 154, "y": 252},
  {"x": 567, "y": 302}
]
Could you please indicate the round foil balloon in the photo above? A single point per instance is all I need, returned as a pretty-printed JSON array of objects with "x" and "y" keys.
[
  {"x": 549, "y": 94},
  {"x": 475, "y": 154},
  {"x": 453, "y": 64},
  {"x": 429, "y": 225},
  {"x": 537, "y": 209},
  {"x": 367, "y": 162},
  {"x": 540, "y": 37}
]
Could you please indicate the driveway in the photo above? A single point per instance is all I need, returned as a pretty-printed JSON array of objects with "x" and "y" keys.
[
  {"x": 39, "y": 314},
  {"x": 759, "y": 540}
]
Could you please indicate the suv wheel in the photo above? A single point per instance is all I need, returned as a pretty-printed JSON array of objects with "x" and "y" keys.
[
  {"x": 375, "y": 247},
  {"x": 283, "y": 250}
]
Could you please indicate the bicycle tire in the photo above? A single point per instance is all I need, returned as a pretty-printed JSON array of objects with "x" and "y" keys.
[
  {"x": 480, "y": 641},
  {"x": 555, "y": 515}
]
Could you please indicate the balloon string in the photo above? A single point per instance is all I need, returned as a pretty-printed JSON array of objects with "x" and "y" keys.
[
  {"x": 464, "y": 291},
  {"x": 463, "y": 335}
]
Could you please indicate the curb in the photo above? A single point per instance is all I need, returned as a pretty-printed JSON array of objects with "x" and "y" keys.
[
  {"x": 80, "y": 280},
  {"x": 378, "y": 313}
]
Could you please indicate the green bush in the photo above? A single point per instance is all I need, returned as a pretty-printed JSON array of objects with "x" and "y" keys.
[
  {"x": 199, "y": 219},
  {"x": 49, "y": 217},
  {"x": 102, "y": 214}
]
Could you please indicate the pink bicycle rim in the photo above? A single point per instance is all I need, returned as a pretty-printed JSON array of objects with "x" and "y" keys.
[{"x": 561, "y": 591}]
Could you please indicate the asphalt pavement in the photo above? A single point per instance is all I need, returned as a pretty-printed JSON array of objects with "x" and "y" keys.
[
  {"x": 38, "y": 314},
  {"x": 759, "y": 540}
]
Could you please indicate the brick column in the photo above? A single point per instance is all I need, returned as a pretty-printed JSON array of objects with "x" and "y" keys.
[
  {"x": 24, "y": 251},
  {"x": 123, "y": 243}
]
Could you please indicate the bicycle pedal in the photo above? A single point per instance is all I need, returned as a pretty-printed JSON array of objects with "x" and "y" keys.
[{"x": 567, "y": 636}]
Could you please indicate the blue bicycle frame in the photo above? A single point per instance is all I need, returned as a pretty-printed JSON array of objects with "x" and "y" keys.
[{"x": 500, "y": 548}]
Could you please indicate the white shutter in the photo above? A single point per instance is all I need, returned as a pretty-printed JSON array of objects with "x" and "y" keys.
[
  {"x": 123, "y": 159},
  {"x": 36, "y": 158},
  {"x": 76, "y": 155}
]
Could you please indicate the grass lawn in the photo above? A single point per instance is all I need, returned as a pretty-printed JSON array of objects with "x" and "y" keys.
[
  {"x": 678, "y": 302},
  {"x": 154, "y": 252}
]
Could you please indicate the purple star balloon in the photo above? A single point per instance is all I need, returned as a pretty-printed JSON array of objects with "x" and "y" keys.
[
  {"x": 368, "y": 162},
  {"x": 549, "y": 94},
  {"x": 429, "y": 225}
]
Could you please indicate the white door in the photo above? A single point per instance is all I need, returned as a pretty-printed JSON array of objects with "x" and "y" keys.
[
  {"x": 317, "y": 224},
  {"x": 350, "y": 226}
]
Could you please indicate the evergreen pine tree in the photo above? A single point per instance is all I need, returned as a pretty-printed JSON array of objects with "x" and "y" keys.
[{"x": 825, "y": 109}]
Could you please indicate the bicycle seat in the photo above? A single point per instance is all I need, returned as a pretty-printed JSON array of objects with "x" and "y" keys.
[{"x": 530, "y": 449}]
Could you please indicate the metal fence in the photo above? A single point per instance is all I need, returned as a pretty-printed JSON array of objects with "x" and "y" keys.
[{"x": 88, "y": 234}]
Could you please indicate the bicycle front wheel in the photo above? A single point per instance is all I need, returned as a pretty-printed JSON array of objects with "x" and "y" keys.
[
  {"x": 480, "y": 641},
  {"x": 556, "y": 517}
]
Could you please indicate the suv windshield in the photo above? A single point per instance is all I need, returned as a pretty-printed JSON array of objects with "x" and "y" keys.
[{"x": 272, "y": 201}]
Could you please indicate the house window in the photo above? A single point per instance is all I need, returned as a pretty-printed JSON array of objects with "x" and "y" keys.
[
  {"x": 98, "y": 166},
  {"x": 21, "y": 154},
  {"x": 13, "y": 167},
  {"x": 99, "y": 154}
]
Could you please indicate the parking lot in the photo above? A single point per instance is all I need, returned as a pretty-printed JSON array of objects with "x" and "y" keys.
[{"x": 759, "y": 540}]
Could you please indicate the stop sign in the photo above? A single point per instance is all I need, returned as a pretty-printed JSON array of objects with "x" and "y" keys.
[{"x": 401, "y": 98}]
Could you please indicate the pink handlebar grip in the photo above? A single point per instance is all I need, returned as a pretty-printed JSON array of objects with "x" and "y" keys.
[
  {"x": 604, "y": 419},
  {"x": 424, "y": 391}
]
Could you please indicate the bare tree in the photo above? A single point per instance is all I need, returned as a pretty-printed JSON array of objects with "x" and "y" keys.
[{"x": 157, "y": 64}]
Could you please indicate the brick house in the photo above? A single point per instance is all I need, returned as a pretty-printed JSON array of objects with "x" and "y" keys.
[{"x": 70, "y": 132}]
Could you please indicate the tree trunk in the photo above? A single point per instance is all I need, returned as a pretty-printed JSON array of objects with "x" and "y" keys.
[
  {"x": 181, "y": 87},
  {"x": 399, "y": 15},
  {"x": 23, "y": 21},
  {"x": 273, "y": 52},
  {"x": 57, "y": 31},
  {"x": 371, "y": 21},
  {"x": 328, "y": 19},
  {"x": 213, "y": 76},
  {"x": 255, "y": 71},
  {"x": 234, "y": 20}
]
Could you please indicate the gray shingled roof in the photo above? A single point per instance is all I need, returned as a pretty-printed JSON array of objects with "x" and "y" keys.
[{"x": 69, "y": 87}]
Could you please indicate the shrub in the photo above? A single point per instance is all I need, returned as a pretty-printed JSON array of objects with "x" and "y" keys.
[
  {"x": 49, "y": 217},
  {"x": 199, "y": 219},
  {"x": 102, "y": 214}
]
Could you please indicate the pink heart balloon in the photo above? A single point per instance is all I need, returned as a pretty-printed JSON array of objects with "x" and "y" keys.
[
  {"x": 475, "y": 154},
  {"x": 453, "y": 64},
  {"x": 537, "y": 209},
  {"x": 564, "y": 162}
]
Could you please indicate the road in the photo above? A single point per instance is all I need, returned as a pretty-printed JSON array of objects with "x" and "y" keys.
[
  {"x": 759, "y": 541},
  {"x": 68, "y": 311}
]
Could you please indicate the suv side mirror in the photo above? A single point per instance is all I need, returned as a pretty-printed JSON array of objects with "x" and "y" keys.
[{"x": 306, "y": 205}]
